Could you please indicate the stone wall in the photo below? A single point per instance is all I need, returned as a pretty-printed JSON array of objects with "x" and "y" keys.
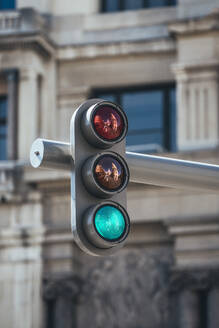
[{"x": 127, "y": 290}]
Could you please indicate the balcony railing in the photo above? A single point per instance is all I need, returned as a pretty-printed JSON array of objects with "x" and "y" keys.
[
  {"x": 21, "y": 21},
  {"x": 10, "y": 21}
]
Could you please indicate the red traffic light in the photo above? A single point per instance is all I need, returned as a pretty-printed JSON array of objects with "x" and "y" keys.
[
  {"x": 104, "y": 124},
  {"x": 108, "y": 122}
]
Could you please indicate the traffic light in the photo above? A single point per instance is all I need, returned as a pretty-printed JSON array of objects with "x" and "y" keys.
[{"x": 99, "y": 177}]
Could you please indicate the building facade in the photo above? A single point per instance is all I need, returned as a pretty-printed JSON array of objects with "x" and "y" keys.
[{"x": 159, "y": 59}]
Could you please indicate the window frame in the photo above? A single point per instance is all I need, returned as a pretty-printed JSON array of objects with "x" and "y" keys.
[
  {"x": 169, "y": 133},
  {"x": 11, "y": 80},
  {"x": 122, "y": 7}
]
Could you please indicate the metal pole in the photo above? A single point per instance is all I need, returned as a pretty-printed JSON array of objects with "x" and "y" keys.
[
  {"x": 145, "y": 169},
  {"x": 50, "y": 154},
  {"x": 171, "y": 172}
]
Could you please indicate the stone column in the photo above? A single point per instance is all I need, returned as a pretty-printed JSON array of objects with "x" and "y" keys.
[
  {"x": 189, "y": 309},
  {"x": 198, "y": 104},
  {"x": 62, "y": 293},
  {"x": 12, "y": 79},
  {"x": 21, "y": 266},
  {"x": 28, "y": 111},
  {"x": 197, "y": 76},
  {"x": 65, "y": 314},
  {"x": 198, "y": 292},
  {"x": 213, "y": 308}
]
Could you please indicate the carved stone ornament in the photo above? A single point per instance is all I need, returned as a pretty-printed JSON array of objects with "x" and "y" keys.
[
  {"x": 127, "y": 290},
  {"x": 196, "y": 279},
  {"x": 65, "y": 286}
]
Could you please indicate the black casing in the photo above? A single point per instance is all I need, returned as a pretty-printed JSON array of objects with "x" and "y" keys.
[{"x": 81, "y": 199}]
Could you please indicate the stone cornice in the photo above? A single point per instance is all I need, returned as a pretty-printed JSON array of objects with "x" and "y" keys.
[
  {"x": 199, "y": 25},
  {"x": 26, "y": 29},
  {"x": 186, "y": 221},
  {"x": 75, "y": 52},
  {"x": 21, "y": 236},
  {"x": 196, "y": 65},
  {"x": 67, "y": 286},
  {"x": 195, "y": 279},
  {"x": 33, "y": 41}
]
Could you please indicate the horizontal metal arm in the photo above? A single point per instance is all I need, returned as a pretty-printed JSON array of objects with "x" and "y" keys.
[
  {"x": 50, "y": 154},
  {"x": 171, "y": 172},
  {"x": 146, "y": 169}
]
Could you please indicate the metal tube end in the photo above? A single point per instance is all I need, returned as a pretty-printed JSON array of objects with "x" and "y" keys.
[{"x": 36, "y": 153}]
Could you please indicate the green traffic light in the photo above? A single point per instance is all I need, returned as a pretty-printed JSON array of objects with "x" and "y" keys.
[{"x": 110, "y": 222}]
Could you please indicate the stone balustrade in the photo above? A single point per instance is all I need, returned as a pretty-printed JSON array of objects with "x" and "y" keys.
[
  {"x": 23, "y": 21},
  {"x": 9, "y": 21}
]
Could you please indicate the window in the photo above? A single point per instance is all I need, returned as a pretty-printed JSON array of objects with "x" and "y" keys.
[
  {"x": 120, "y": 5},
  {"x": 7, "y": 4},
  {"x": 3, "y": 128},
  {"x": 151, "y": 113}
]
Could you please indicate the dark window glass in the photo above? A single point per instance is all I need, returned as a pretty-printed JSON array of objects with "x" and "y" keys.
[
  {"x": 7, "y": 4},
  {"x": 152, "y": 117},
  {"x": 3, "y": 128},
  {"x": 130, "y": 4},
  {"x": 160, "y": 3},
  {"x": 145, "y": 119},
  {"x": 111, "y": 5},
  {"x": 119, "y": 5},
  {"x": 156, "y": 3}
]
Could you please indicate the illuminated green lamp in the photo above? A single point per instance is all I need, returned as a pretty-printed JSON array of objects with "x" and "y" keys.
[{"x": 110, "y": 223}]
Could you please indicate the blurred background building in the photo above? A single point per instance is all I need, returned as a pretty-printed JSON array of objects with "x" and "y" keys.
[{"x": 159, "y": 59}]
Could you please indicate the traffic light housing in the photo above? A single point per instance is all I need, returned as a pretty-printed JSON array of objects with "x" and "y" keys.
[{"x": 100, "y": 222}]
